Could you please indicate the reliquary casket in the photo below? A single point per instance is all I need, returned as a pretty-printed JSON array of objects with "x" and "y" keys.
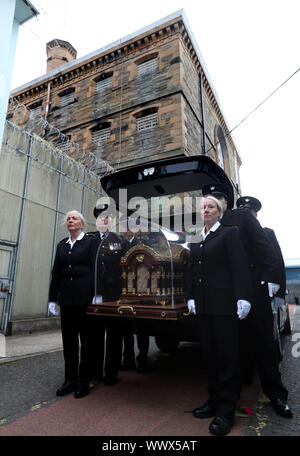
[{"x": 152, "y": 278}]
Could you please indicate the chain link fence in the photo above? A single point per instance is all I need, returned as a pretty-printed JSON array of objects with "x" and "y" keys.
[{"x": 39, "y": 184}]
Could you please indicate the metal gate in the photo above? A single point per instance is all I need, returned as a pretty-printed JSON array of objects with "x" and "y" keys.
[{"x": 7, "y": 267}]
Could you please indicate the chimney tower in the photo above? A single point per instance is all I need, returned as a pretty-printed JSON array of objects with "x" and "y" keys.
[{"x": 59, "y": 53}]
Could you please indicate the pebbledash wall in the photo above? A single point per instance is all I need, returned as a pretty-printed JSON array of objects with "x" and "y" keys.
[
  {"x": 135, "y": 100},
  {"x": 38, "y": 185}
]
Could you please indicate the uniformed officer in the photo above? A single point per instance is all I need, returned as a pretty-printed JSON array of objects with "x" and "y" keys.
[
  {"x": 255, "y": 206},
  {"x": 71, "y": 289},
  {"x": 107, "y": 247},
  {"x": 219, "y": 288},
  {"x": 264, "y": 267}
]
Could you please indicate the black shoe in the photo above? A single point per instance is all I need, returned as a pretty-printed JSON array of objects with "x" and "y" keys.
[
  {"x": 110, "y": 381},
  {"x": 142, "y": 369},
  {"x": 206, "y": 411},
  {"x": 82, "y": 389},
  {"x": 282, "y": 408},
  {"x": 221, "y": 425},
  {"x": 66, "y": 388}
]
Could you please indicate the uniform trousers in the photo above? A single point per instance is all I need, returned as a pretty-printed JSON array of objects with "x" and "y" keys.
[
  {"x": 259, "y": 343},
  {"x": 75, "y": 327},
  {"x": 128, "y": 346},
  {"x": 128, "y": 343},
  {"x": 143, "y": 346},
  {"x": 105, "y": 352},
  {"x": 220, "y": 347}
]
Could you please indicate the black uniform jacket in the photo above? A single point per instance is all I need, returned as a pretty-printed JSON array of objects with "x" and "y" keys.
[
  {"x": 218, "y": 273},
  {"x": 107, "y": 270},
  {"x": 261, "y": 255},
  {"x": 281, "y": 267},
  {"x": 71, "y": 281}
]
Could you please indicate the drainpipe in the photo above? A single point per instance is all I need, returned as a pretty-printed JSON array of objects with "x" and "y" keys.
[
  {"x": 202, "y": 110},
  {"x": 47, "y": 102},
  {"x": 47, "y": 108}
]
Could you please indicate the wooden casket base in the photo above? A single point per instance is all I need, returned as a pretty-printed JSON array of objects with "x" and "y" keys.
[{"x": 140, "y": 309}]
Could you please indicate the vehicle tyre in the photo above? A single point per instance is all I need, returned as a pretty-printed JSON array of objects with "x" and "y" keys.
[
  {"x": 287, "y": 329},
  {"x": 166, "y": 344}
]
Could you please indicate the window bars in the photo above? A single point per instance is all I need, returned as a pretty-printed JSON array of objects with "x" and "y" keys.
[
  {"x": 147, "y": 122},
  {"x": 100, "y": 136},
  {"x": 67, "y": 99},
  {"x": 64, "y": 146},
  {"x": 147, "y": 67},
  {"x": 34, "y": 112},
  {"x": 103, "y": 84}
]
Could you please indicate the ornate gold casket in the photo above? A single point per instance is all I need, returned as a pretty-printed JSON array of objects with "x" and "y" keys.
[{"x": 152, "y": 272}]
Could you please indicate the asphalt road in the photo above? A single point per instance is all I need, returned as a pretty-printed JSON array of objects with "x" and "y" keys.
[
  {"x": 265, "y": 422},
  {"x": 154, "y": 404}
]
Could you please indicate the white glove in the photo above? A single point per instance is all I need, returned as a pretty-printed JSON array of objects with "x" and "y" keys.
[
  {"x": 52, "y": 308},
  {"x": 191, "y": 306},
  {"x": 273, "y": 288},
  {"x": 243, "y": 308},
  {"x": 97, "y": 300}
]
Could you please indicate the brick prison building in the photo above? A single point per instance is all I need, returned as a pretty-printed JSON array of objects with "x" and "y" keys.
[{"x": 145, "y": 97}]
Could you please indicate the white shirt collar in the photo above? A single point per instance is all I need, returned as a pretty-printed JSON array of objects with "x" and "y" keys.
[
  {"x": 77, "y": 239},
  {"x": 213, "y": 228}
]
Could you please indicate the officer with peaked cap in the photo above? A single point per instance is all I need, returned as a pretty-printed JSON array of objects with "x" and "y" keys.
[
  {"x": 220, "y": 191},
  {"x": 249, "y": 202},
  {"x": 264, "y": 268},
  {"x": 255, "y": 206},
  {"x": 107, "y": 285}
]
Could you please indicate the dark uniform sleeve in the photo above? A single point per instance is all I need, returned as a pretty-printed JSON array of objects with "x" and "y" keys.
[
  {"x": 238, "y": 263},
  {"x": 263, "y": 249},
  {"x": 55, "y": 278},
  {"x": 281, "y": 266}
]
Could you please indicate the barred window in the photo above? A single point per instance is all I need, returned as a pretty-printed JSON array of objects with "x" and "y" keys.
[
  {"x": 66, "y": 98},
  {"x": 34, "y": 112},
  {"x": 63, "y": 145},
  {"x": 147, "y": 67},
  {"x": 147, "y": 121},
  {"x": 100, "y": 135},
  {"x": 103, "y": 84}
]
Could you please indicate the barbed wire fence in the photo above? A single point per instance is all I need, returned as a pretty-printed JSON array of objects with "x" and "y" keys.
[
  {"x": 39, "y": 184},
  {"x": 35, "y": 150},
  {"x": 36, "y": 124}
]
